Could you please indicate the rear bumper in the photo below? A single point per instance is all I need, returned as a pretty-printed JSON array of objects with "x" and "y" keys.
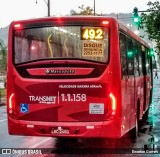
[{"x": 107, "y": 129}]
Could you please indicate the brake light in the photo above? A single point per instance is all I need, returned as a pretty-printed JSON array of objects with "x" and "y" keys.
[
  {"x": 11, "y": 103},
  {"x": 111, "y": 106},
  {"x": 113, "y": 101},
  {"x": 105, "y": 22}
]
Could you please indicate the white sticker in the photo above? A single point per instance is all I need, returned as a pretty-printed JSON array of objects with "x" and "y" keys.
[
  {"x": 92, "y": 49},
  {"x": 96, "y": 108}
]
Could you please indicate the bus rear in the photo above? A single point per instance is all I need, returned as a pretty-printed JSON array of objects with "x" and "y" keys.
[{"x": 60, "y": 79}]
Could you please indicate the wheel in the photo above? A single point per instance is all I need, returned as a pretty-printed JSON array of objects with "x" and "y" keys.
[
  {"x": 134, "y": 131},
  {"x": 145, "y": 116},
  {"x": 151, "y": 92}
]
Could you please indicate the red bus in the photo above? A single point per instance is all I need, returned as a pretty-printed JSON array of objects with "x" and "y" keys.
[{"x": 76, "y": 77}]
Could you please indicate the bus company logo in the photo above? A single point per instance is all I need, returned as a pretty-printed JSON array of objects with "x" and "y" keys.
[
  {"x": 47, "y": 71},
  {"x": 63, "y": 71},
  {"x": 43, "y": 99}
]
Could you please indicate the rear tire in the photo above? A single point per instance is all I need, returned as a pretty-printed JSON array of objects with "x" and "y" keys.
[
  {"x": 134, "y": 131},
  {"x": 145, "y": 116}
]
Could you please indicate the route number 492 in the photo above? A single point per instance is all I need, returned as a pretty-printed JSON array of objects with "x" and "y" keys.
[{"x": 92, "y": 34}]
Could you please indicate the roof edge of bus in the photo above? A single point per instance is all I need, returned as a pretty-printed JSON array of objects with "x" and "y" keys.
[{"x": 64, "y": 17}]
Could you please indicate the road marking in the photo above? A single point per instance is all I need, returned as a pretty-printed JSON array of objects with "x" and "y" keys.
[{"x": 3, "y": 120}]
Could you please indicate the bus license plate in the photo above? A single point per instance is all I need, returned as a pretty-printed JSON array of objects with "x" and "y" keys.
[{"x": 60, "y": 131}]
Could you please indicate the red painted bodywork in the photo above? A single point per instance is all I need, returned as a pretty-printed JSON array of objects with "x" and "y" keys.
[{"x": 70, "y": 115}]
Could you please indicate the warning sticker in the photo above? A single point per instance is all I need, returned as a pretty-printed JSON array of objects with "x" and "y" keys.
[
  {"x": 92, "y": 49},
  {"x": 96, "y": 108}
]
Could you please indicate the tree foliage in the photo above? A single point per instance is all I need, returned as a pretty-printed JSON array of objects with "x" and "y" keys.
[
  {"x": 3, "y": 57},
  {"x": 150, "y": 22},
  {"x": 83, "y": 11}
]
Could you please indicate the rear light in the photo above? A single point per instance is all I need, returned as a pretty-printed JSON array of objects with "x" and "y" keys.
[
  {"x": 111, "y": 106},
  {"x": 18, "y": 26},
  {"x": 105, "y": 22},
  {"x": 11, "y": 103},
  {"x": 113, "y": 101}
]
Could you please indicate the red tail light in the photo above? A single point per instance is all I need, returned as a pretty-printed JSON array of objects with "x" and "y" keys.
[
  {"x": 111, "y": 106},
  {"x": 113, "y": 102},
  {"x": 105, "y": 22},
  {"x": 11, "y": 103},
  {"x": 18, "y": 26}
]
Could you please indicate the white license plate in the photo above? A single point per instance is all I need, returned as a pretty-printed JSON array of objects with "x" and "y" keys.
[{"x": 60, "y": 131}]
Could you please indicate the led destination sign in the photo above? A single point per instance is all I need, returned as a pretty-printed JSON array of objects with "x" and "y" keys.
[{"x": 92, "y": 33}]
